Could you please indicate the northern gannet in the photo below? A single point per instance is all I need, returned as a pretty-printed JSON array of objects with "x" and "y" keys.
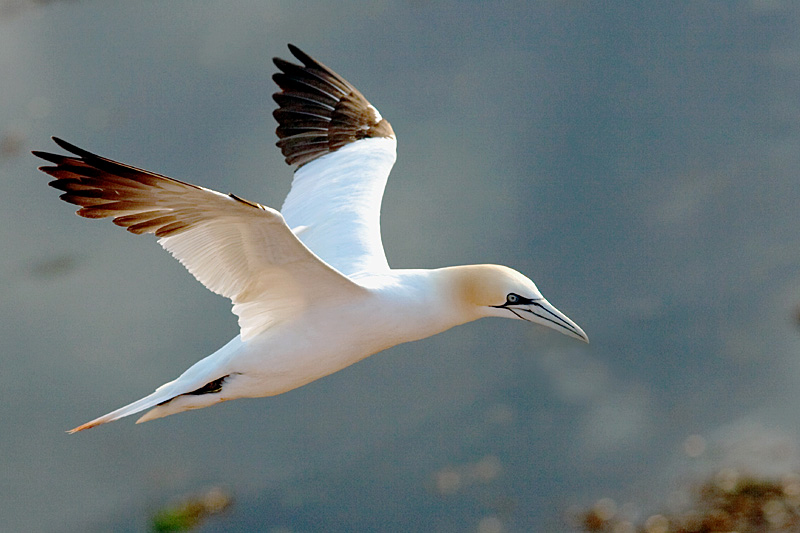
[{"x": 310, "y": 285}]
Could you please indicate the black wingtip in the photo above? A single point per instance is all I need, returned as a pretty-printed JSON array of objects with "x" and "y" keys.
[
  {"x": 304, "y": 58},
  {"x": 280, "y": 62},
  {"x": 282, "y": 65},
  {"x": 58, "y": 158},
  {"x": 47, "y": 156},
  {"x": 69, "y": 147}
]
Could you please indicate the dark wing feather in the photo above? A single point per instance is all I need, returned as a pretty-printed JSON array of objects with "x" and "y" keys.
[
  {"x": 237, "y": 248},
  {"x": 320, "y": 111}
]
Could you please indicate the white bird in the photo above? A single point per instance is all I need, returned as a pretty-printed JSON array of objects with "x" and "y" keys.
[{"x": 310, "y": 285}]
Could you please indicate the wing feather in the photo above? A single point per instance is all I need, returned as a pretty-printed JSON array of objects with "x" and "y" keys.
[
  {"x": 237, "y": 248},
  {"x": 314, "y": 90},
  {"x": 344, "y": 151}
]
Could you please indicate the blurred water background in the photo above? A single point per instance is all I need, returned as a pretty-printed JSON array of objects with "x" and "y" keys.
[{"x": 640, "y": 161}]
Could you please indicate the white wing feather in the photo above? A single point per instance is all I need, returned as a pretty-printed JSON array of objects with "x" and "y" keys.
[
  {"x": 335, "y": 205},
  {"x": 239, "y": 249},
  {"x": 252, "y": 257},
  {"x": 344, "y": 150}
]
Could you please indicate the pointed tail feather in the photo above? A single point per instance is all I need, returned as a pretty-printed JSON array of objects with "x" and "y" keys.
[
  {"x": 162, "y": 394},
  {"x": 194, "y": 389}
]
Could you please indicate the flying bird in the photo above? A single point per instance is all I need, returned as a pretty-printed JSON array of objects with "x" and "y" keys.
[{"x": 310, "y": 284}]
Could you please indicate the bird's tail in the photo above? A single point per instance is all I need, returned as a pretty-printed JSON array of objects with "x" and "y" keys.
[
  {"x": 197, "y": 387},
  {"x": 163, "y": 394},
  {"x": 161, "y": 403}
]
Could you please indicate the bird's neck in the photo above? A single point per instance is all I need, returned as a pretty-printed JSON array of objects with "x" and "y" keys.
[{"x": 420, "y": 303}]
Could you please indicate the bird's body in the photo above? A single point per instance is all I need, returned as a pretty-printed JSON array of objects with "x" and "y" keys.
[
  {"x": 311, "y": 285},
  {"x": 399, "y": 307}
]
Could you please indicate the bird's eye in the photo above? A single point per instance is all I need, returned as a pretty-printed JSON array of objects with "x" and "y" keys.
[{"x": 512, "y": 298}]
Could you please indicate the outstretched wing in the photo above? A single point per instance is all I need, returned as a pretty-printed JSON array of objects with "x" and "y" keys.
[
  {"x": 344, "y": 151},
  {"x": 239, "y": 249}
]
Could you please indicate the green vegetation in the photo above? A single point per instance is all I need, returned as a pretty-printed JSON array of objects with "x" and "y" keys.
[{"x": 191, "y": 511}]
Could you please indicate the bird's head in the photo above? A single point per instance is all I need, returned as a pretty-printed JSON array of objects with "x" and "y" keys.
[{"x": 494, "y": 290}]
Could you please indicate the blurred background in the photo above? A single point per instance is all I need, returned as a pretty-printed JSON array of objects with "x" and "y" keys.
[{"x": 639, "y": 162}]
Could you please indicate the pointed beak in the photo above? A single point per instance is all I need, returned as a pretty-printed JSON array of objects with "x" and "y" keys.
[{"x": 543, "y": 312}]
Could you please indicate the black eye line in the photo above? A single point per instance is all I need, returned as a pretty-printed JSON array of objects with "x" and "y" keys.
[
  {"x": 535, "y": 301},
  {"x": 514, "y": 311},
  {"x": 521, "y": 301},
  {"x": 559, "y": 323}
]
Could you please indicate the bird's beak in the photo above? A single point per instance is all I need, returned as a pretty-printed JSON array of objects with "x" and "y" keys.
[{"x": 543, "y": 312}]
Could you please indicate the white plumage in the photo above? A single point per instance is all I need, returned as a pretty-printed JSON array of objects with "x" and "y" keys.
[
  {"x": 311, "y": 286},
  {"x": 337, "y": 201}
]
